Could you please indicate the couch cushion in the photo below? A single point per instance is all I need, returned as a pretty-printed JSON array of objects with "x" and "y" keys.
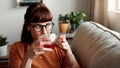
[{"x": 96, "y": 46}]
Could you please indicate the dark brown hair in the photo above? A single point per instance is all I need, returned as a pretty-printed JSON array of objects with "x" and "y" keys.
[{"x": 36, "y": 12}]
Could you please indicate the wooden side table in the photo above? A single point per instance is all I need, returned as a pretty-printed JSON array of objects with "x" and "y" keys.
[{"x": 4, "y": 63}]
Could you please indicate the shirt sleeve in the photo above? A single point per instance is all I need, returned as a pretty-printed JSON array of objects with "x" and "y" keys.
[
  {"x": 64, "y": 61},
  {"x": 14, "y": 57}
]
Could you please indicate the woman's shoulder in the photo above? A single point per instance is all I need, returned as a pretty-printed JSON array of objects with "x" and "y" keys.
[
  {"x": 18, "y": 49},
  {"x": 18, "y": 44}
]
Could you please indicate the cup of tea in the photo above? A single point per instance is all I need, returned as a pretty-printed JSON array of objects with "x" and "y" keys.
[{"x": 47, "y": 41}]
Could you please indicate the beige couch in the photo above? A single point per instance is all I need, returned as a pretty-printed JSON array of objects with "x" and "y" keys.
[{"x": 96, "y": 46}]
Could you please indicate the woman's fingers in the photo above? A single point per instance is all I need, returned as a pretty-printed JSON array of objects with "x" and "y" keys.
[
  {"x": 35, "y": 44},
  {"x": 62, "y": 42},
  {"x": 46, "y": 49},
  {"x": 39, "y": 51},
  {"x": 37, "y": 48}
]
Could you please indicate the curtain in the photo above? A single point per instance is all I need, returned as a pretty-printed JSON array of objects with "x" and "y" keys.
[
  {"x": 98, "y": 11},
  {"x": 91, "y": 10}
]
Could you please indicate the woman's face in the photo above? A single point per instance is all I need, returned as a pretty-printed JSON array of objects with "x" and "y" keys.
[{"x": 38, "y": 29}]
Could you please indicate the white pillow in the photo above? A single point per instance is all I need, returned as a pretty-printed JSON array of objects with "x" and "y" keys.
[{"x": 96, "y": 46}]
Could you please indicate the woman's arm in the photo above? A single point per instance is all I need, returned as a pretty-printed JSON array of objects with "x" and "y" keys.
[
  {"x": 35, "y": 50},
  {"x": 70, "y": 60},
  {"x": 32, "y": 52},
  {"x": 15, "y": 57},
  {"x": 27, "y": 62}
]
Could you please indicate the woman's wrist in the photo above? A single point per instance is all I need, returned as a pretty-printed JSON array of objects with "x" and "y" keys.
[
  {"x": 26, "y": 63},
  {"x": 69, "y": 52}
]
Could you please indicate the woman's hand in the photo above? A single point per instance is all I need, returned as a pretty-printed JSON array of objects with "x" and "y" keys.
[
  {"x": 37, "y": 48},
  {"x": 62, "y": 42}
]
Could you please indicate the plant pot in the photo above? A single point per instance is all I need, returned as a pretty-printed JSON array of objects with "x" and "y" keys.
[
  {"x": 3, "y": 50},
  {"x": 63, "y": 27},
  {"x": 73, "y": 27}
]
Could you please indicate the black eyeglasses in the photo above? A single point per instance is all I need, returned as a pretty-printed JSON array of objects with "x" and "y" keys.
[{"x": 38, "y": 27}]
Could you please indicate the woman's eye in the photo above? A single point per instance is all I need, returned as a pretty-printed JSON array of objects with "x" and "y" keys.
[{"x": 37, "y": 26}]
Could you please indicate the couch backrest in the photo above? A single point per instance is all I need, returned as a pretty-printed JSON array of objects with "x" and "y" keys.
[{"x": 96, "y": 46}]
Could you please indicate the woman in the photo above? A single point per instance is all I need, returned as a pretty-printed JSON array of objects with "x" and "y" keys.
[{"x": 27, "y": 53}]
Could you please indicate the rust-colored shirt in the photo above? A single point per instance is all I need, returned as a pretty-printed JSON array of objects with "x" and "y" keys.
[{"x": 50, "y": 59}]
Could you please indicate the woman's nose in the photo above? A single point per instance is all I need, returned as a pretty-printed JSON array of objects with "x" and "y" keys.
[{"x": 44, "y": 31}]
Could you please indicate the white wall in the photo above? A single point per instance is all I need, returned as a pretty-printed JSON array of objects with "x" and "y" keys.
[{"x": 12, "y": 17}]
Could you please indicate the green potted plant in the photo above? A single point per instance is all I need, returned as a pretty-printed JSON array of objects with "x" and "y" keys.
[
  {"x": 76, "y": 18},
  {"x": 3, "y": 45},
  {"x": 63, "y": 23},
  {"x": 63, "y": 18}
]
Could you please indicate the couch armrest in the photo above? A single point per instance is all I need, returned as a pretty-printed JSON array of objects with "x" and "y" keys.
[{"x": 95, "y": 46}]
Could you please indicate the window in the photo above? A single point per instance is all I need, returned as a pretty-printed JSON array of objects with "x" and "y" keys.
[
  {"x": 114, "y": 5},
  {"x": 118, "y": 5}
]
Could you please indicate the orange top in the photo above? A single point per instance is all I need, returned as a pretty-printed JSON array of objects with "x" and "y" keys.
[{"x": 50, "y": 59}]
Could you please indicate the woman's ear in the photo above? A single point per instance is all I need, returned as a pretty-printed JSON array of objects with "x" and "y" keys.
[{"x": 28, "y": 27}]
